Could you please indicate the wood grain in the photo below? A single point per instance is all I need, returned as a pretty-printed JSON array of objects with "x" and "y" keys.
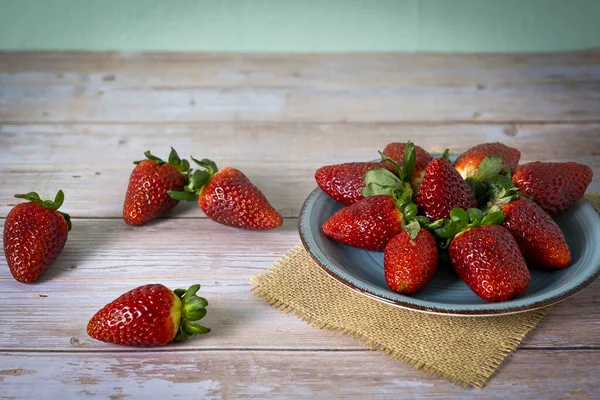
[
  {"x": 286, "y": 374},
  {"x": 105, "y": 258},
  {"x": 295, "y": 70},
  {"x": 76, "y": 121},
  {"x": 91, "y": 163},
  {"x": 38, "y": 87}
]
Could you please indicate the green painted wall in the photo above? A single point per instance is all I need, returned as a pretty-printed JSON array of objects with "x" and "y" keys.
[{"x": 300, "y": 26}]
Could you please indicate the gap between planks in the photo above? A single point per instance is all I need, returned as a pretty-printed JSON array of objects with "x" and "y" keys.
[
  {"x": 311, "y": 123},
  {"x": 167, "y": 349}
]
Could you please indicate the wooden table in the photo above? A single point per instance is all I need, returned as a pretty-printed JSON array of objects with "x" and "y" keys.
[{"x": 76, "y": 121}]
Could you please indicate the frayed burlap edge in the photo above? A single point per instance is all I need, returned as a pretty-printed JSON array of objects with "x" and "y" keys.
[{"x": 487, "y": 370}]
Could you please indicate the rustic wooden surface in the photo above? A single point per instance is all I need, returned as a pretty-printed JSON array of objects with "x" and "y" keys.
[{"x": 76, "y": 121}]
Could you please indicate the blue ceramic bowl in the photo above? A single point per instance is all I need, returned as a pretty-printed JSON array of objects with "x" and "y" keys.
[{"x": 362, "y": 270}]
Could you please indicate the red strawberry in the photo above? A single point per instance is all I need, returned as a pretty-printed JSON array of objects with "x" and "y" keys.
[
  {"x": 467, "y": 164},
  {"x": 484, "y": 255},
  {"x": 228, "y": 197},
  {"x": 540, "y": 239},
  {"x": 396, "y": 150},
  {"x": 489, "y": 261},
  {"x": 344, "y": 182},
  {"x": 368, "y": 224},
  {"x": 34, "y": 235},
  {"x": 553, "y": 186},
  {"x": 409, "y": 263},
  {"x": 443, "y": 189},
  {"x": 150, "y": 315},
  {"x": 147, "y": 194}
]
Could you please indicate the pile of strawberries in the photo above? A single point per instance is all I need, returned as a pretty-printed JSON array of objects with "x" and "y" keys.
[
  {"x": 493, "y": 216},
  {"x": 36, "y": 232}
]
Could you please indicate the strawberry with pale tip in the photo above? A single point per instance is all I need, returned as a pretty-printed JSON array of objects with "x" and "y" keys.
[
  {"x": 228, "y": 197},
  {"x": 150, "y": 315},
  {"x": 467, "y": 164},
  {"x": 34, "y": 235}
]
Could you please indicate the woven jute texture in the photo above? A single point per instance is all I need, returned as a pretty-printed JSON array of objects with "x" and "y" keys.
[{"x": 464, "y": 350}]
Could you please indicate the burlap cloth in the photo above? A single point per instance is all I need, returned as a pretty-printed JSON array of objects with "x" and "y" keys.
[{"x": 464, "y": 350}]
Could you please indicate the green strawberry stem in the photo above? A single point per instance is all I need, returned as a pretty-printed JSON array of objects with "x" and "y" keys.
[
  {"x": 381, "y": 181},
  {"x": 49, "y": 204},
  {"x": 487, "y": 181},
  {"x": 462, "y": 220},
  {"x": 499, "y": 190},
  {"x": 193, "y": 308},
  {"x": 182, "y": 165},
  {"x": 197, "y": 180}
]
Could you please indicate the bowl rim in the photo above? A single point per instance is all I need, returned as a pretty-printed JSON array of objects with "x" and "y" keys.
[{"x": 435, "y": 310}]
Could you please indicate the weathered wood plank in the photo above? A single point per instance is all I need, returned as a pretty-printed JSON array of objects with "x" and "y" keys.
[
  {"x": 155, "y": 88},
  {"x": 577, "y": 102},
  {"x": 295, "y": 70},
  {"x": 285, "y": 374},
  {"x": 91, "y": 163},
  {"x": 254, "y": 349},
  {"x": 105, "y": 258}
]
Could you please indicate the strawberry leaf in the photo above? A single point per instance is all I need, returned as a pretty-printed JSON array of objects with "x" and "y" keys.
[
  {"x": 174, "y": 158},
  {"x": 59, "y": 199},
  {"x": 151, "y": 157},
  {"x": 448, "y": 230},
  {"x": 31, "y": 196},
  {"x": 181, "y": 196},
  {"x": 412, "y": 229},
  {"x": 207, "y": 164},
  {"x": 475, "y": 216},
  {"x": 67, "y": 218},
  {"x": 446, "y": 155},
  {"x": 193, "y": 309},
  {"x": 459, "y": 215},
  {"x": 494, "y": 218},
  {"x": 490, "y": 166},
  {"x": 410, "y": 158},
  {"x": 409, "y": 211},
  {"x": 398, "y": 167},
  {"x": 380, "y": 181},
  {"x": 200, "y": 178}
]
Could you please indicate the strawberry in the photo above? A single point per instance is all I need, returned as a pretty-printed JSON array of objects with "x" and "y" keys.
[
  {"x": 540, "y": 239},
  {"x": 344, "y": 182},
  {"x": 150, "y": 315},
  {"x": 396, "y": 151},
  {"x": 467, "y": 164},
  {"x": 443, "y": 189},
  {"x": 553, "y": 186},
  {"x": 386, "y": 209},
  {"x": 489, "y": 261},
  {"x": 485, "y": 255},
  {"x": 228, "y": 197},
  {"x": 150, "y": 181},
  {"x": 34, "y": 235},
  {"x": 410, "y": 263},
  {"x": 368, "y": 224}
]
